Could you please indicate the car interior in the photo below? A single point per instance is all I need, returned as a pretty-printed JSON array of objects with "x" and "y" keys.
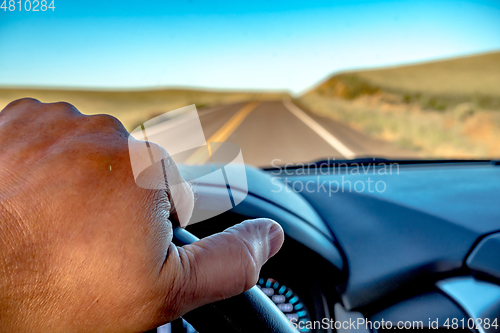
[{"x": 406, "y": 256}]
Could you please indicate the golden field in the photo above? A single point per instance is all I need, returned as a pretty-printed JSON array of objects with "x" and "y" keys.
[{"x": 135, "y": 106}]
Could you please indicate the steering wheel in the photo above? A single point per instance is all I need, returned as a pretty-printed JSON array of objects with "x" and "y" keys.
[{"x": 249, "y": 312}]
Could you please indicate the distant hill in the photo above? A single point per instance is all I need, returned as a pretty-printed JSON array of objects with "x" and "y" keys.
[
  {"x": 440, "y": 109},
  {"x": 137, "y": 106},
  {"x": 435, "y": 85}
]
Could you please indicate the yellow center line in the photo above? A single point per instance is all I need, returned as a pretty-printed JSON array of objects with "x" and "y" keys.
[{"x": 201, "y": 155}]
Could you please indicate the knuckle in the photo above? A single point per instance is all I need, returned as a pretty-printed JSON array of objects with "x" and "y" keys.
[
  {"x": 63, "y": 107},
  {"x": 105, "y": 121},
  {"x": 28, "y": 105},
  {"x": 251, "y": 269},
  {"x": 21, "y": 103},
  {"x": 251, "y": 279},
  {"x": 25, "y": 101},
  {"x": 248, "y": 262}
]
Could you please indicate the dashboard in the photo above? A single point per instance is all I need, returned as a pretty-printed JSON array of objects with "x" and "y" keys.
[{"x": 421, "y": 252}]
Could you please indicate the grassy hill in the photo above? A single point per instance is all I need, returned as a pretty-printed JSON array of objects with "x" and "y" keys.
[
  {"x": 134, "y": 107},
  {"x": 448, "y": 108},
  {"x": 435, "y": 85}
]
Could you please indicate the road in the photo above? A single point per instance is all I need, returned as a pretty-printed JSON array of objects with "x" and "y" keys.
[{"x": 279, "y": 132}]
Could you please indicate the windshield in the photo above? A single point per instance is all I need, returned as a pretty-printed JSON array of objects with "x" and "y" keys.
[{"x": 287, "y": 81}]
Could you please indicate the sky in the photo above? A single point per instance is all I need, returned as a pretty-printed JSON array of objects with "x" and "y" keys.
[{"x": 260, "y": 44}]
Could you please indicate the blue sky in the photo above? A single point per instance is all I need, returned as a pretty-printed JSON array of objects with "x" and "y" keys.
[{"x": 234, "y": 45}]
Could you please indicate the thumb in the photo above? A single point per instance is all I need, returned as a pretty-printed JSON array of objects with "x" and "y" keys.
[{"x": 228, "y": 263}]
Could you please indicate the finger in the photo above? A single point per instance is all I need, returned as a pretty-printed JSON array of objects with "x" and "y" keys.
[{"x": 225, "y": 264}]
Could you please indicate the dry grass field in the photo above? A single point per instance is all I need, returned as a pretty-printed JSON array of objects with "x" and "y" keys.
[
  {"x": 135, "y": 107},
  {"x": 447, "y": 109}
]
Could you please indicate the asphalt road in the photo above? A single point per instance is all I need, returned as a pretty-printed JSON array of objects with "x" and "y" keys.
[{"x": 279, "y": 132}]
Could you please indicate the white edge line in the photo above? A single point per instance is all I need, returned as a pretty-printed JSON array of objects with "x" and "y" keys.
[{"x": 320, "y": 130}]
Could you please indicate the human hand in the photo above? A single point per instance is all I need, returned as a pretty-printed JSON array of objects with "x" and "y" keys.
[{"x": 84, "y": 249}]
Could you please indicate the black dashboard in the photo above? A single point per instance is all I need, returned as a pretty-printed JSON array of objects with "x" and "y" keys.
[{"x": 424, "y": 248}]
